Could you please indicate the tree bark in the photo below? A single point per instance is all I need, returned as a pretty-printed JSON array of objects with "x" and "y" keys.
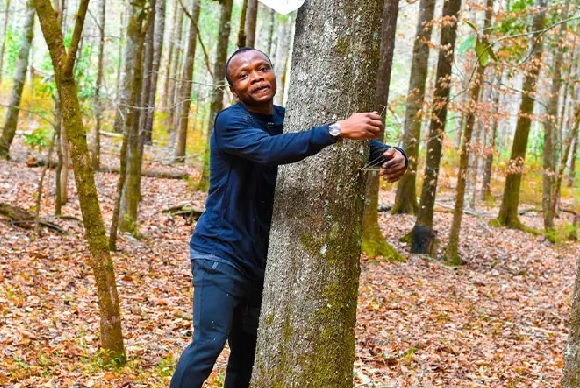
[
  {"x": 13, "y": 110},
  {"x": 373, "y": 241},
  {"x": 572, "y": 162},
  {"x": 251, "y": 22},
  {"x": 423, "y": 235},
  {"x": 242, "y": 34},
  {"x": 131, "y": 195},
  {"x": 549, "y": 198},
  {"x": 508, "y": 213},
  {"x": 96, "y": 143},
  {"x": 306, "y": 335},
  {"x": 406, "y": 199},
  {"x": 101, "y": 263},
  {"x": 186, "y": 84},
  {"x": 218, "y": 83},
  {"x": 490, "y": 149},
  {"x": 3, "y": 39},
  {"x": 174, "y": 70},
  {"x": 282, "y": 54}
]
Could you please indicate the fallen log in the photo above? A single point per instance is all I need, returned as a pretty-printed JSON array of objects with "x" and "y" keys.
[
  {"x": 22, "y": 218},
  {"x": 152, "y": 173},
  {"x": 186, "y": 210}
]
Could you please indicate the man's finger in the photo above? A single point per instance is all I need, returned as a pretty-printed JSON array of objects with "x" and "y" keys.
[{"x": 374, "y": 116}]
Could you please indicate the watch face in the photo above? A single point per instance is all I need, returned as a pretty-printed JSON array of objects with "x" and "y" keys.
[{"x": 334, "y": 129}]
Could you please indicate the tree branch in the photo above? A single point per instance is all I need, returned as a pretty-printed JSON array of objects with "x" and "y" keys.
[{"x": 76, "y": 38}]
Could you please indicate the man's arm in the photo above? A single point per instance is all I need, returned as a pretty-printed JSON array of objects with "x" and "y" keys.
[{"x": 237, "y": 136}]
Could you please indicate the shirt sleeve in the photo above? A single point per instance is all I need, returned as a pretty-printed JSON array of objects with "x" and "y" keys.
[
  {"x": 376, "y": 151},
  {"x": 241, "y": 137}
]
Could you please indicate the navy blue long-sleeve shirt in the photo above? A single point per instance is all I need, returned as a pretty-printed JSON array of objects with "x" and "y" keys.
[{"x": 246, "y": 149}]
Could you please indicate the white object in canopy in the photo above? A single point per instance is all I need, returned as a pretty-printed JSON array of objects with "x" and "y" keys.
[{"x": 283, "y": 6}]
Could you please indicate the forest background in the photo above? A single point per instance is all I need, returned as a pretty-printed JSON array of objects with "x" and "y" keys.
[{"x": 478, "y": 289}]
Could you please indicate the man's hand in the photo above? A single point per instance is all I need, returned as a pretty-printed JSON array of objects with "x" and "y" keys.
[
  {"x": 394, "y": 169},
  {"x": 361, "y": 126}
]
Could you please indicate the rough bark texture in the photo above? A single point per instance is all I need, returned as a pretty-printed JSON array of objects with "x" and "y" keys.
[
  {"x": 218, "y": 83},
  {"x": 373, "y": 241},
  {"x": 96, "y": 141},
  {"x": 571, "y": 368},
  {"x": 101, "y": 263},
  {"x": 508, "y": 213},
  {"x": 423, "y": 229},
  {"x": 406, "y": 199},
  {"x": 306, "y": 336},
  {"x": 251, "y": 22},
  {"x": 242, "y": 35},
  {"x": 492, "y": 141},
  {"x": 186, "y": 84},
  {"x": 550, "y": 129},
  {"x": 572, "y": 162},
  {"x": 3, "y": 39},
  {"x": 13, "y": 111}
]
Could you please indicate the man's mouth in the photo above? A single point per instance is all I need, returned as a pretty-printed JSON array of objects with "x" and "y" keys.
[{"x": 261, "y": 89}]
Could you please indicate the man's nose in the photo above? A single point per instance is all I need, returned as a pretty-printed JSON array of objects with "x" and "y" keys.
[{"x": 256, "y": 76}]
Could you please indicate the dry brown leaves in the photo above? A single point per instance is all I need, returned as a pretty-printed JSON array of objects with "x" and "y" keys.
[{"x": 498, "y": 321}]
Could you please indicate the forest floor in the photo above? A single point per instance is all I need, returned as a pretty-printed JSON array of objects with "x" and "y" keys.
[{"x": 500, "y": 320}]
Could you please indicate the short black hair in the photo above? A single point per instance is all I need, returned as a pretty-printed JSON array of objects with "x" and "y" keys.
[{"x": 237, "y": 52}]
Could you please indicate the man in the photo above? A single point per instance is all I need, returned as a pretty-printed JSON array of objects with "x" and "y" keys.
[{"x": 230, "y": 242}]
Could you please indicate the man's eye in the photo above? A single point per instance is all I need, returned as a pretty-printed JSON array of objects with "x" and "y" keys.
[
  {"x": 265, "y": 68},
  {"x": 242, "y": 76}
]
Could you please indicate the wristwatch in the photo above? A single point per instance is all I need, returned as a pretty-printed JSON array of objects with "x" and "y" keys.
[{"x": 334, "y": 131}]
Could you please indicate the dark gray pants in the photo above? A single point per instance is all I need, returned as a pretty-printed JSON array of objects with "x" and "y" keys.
[{"x": 226, "y": 305}]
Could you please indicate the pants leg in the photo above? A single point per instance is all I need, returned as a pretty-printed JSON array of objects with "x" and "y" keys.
[
  {"x": 242, "y": 340},
  {"x": 213, "y": 309}
]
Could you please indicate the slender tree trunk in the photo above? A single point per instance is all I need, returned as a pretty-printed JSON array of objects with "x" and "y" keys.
[
  {"x": 306, "y": 335},
  {"x": 270, "y": 42},
  {"x": 508, "y": 213},
  {"x": 131, "y": 196},
  {"x": 96, "y": 144},
  {"x": 406, "y": 199},
  {"x": 186, "y": 84},
  {"x": 251, "y": 22},
  {"x": 13, "y": 111},
  {"x": 242, "y": 34},
  {"x": 3, "y": 39},
  {"x": 550, "y": 128},
  {"x": 218, "y": 84},
  {"x": 110, "y": 320},
  {"x": 148, "y": 52},
  {"x": 169, "y": 59},
  {"x": 123, "y": 88},
  {"x": 373, "y": 241},
  {"x": 572, "y": 162},
  {"x": 173, "y": 91},
  {"x": 422, "y": 235},
  {"x": 492, "y": 139},
  {"x": 282, "y": 54}
]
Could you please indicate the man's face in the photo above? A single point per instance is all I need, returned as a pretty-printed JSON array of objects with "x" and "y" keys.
[{"x": 253, "y": 79}]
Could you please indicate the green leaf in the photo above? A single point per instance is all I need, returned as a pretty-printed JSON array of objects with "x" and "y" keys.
[
  {"x": 466, "y": 45},
  {"x": 484, "y": 52},
  {"x": 470, "y": 24}
]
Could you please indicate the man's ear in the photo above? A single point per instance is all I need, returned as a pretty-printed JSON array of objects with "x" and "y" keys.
[{"x": 234, "y": 93}]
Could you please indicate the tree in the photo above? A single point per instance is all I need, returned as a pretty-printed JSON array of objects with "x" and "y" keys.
[
  {"x": 13, "y": 111},
  {"x": 422, "y": 234},
  {"x": 96, "y": 145},
  {"x": 373, "y": 241},
  {"x": 251, "y": 18},
  {"x": 219, "y": 73},
  {"x": 101, "y": 262},
  {"x": 186, "y": 82},
  {"x": 406, "y": 199},
  {"x": 484, "y": 54},
  {"x": 3, "y": 39},
  {"x": 508, "y": 213},
  {"x": 550, "y": 127},
  {"x": 282, "y": 54},
  {"x": 306, "y": 335}
]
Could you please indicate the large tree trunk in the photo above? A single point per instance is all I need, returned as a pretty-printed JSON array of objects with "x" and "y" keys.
[
  {"x": 13, "y": 111},
  {"x": 306, "y": 335},
  {"x": 96, "y": 143},
  {"x": 219, "y": 73},
  {"x": 3, "y": 35},
  {"x": 550, "y": 129},
  {"x": 101, "y": 262},
  {"x": 508, "y": 213},
  {"x": 186, "y": 84},
  {"x": 423, "y": 235},
  {"x": 406, "y": 199},
  {"x": 571, "y": 368},
  {"x": 251, "y": 22},
  {"x": 373, "y": 241}
]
